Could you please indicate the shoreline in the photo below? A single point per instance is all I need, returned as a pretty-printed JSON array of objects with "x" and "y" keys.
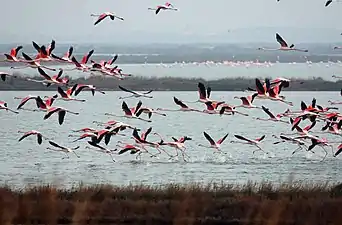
[
  {"x": 212, "y": 203},
  {"x": 170, "y": 84}
]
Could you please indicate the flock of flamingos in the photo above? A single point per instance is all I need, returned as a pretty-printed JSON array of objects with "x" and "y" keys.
[{"x": 98, "y": 139}]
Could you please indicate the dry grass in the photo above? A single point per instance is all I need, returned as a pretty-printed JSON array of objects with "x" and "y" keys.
[{"x": 294, "y": 203}]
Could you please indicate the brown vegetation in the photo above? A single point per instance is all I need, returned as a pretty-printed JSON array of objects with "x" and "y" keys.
[{"x": 174, "y": 204}]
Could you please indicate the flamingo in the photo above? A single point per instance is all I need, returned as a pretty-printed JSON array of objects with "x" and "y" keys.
[
  {"x": 150, "y": 111},
  {"x": 66, "y": 57},
  {"x": 212, "y": 107},
  {"x": 63, "y": 149},
  {"x": 255, "y": 142},
  {"x": 292, "y": 140},
  {"x": 247, "y": 101},
  {"x": 32, "y": 132},
  {"x": 135, "y": 93},
  {"x": 141, "y": 140},
  {"x": 3, "y": 76},
  {"x": 32, "y": 63},
  {"x": 230, "y": 109},
  {"x": 131, "y": 113},
  {"x": 322, "y": 143},
  {"x": 276, "y": 118},
  {"x": 81, "y": 87},
  {"x": 283, "y": 46},
  {"x": 177, "y": 144},
  {"x": 82, "y": 65},
  {"x": 66, "y": 96},
  {"x": 213, "y": 144},
  {"x": 12, "y": 57},
  {"x": 102, "y": 149},
  {"x": 51, "y": 80},
  {"x": 43, "y": 53},
  {"x": 102, "y": 16},
  {"x": 128, "y": 147},
  {"x": 184, "y": 108},
  {"x": 167, "y": 6},
  {"x": 274, "y": 95},
  {"x": 3, "y": 105},
  {"x": 61, "y": 113}
]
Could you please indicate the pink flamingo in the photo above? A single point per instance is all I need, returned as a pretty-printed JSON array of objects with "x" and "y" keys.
[
  {"x": 255, "y": 142},
  {"x": 61, "y": 113},
  {"x": 276, "y": 118},
  {"x": 184, "y": 108},
  {"x": 283, "y": 46},
  {"x": 213, "y": 144},
  {"x": 102, "y": 16}
]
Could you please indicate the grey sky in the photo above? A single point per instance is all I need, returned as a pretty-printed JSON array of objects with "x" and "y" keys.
[{"x": 70, "y": 20}]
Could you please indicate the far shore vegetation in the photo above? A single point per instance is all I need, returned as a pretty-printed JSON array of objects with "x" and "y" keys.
[
  {"x": 292, "y": 203},
  {"x": 171, "y": 84}
]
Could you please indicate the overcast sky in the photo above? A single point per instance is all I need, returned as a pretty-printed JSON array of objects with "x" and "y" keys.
[{"x": 69, "y": 21}]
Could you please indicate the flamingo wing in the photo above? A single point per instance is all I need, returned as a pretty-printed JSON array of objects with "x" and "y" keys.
[
  {"x": 208, "y": 92},
  {"x": 24, "y": 100},
  {"x": 56, "y": 145},
  {"x": 36, "y": 46},
  {"x": 50, "y": 112},
  {"x": 328, "y": 3},
  {"x": 28, "y": 58},
  {"x": 267, "y": 111},
  {"x": 110, "y": 62},
  {"x": 144, "y": 135},
  {"x": 280, "y": 40},
  {"x": 158, "y": 9},
  {"x": 201, "y": 90},
  {"x": 100, "y": 18},
  {"x": 86, "y": 57},
  {"x": 220, "y": 141},
  {"x": 261, "y": 138},
  {"x": 61, "y": 92},
  {"x": 259, "y": 87},
  {"x": 207, "y": 136},
  {"x": 51, "y": 47},
  {"x": 339, "y": 150},
  {"x": 26, "y": 135},
  {"x": 61, "y": 116},
  {"x": 125, "y": 108},
  {"x": 126, "y": 90},
  {"x": 180, "y": 103},
  {"x": 242, "y": 138}
]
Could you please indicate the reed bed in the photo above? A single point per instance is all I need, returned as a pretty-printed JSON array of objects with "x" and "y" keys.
[{"x": 253, "y": 203}]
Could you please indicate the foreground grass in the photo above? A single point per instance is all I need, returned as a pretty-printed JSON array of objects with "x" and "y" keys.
[
  {"x": 173, "y": 84},
  {"x": 294, "y": 203}
]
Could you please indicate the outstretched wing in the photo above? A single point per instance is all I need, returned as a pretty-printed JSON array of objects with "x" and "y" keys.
[
  {"x": 212, "y": 142},
  {"x": 126, "y": 90},
  {"x": 55, "y": 145},
  {"x": 281, "y": 41}
]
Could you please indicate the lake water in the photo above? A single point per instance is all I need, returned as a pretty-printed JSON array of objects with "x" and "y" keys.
[
  {"x": 212, "y": 71},
  {"x": 26, "y": 162}
]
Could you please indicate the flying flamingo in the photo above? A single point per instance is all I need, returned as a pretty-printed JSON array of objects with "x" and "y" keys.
[
  {"x": 102, "y": 149},
  {"x": 167, "y": 6},
  {"x": 230, "y": 109},
  {"x": 82, "y": 65},
  {"x": 276, "y": 118},
  {"x": 292, "y": 140},
  {"x": 274, "y": 95},
  {"x": 212, "y": 107},
  {"x": 322, "y": 143},
  {"x": 128, "y": 147},
  {"x": 102, "y": 16},
  {"x": 12, "y": 57},
  {"x": 133, "y": 113},
  {"x": 66, "y": 96},
  {"x": 81, "y": 87},
  {"x": 177, "y": 144},
  {"x": 43, "y": 52},
  {"x": 150, "y": 111},
  {"x": 32, "y": 63},
  {"x": 32, "y": 132},
  {"x": 213, "y": 144},
  {"x": 66, "y": 57},
  {"x": 56, "y": 79},
  {"x": 3, "y": 105},
  {"x": 283, "y": 46},
  {"x": 135, "y": 93},
  {"x": 184, "y": 108},
  {"x": 63, "y": 149},
  {"x": 255, "y": 142},
  {"x": 3, "y": 76},
  {"x": 247, "y": 101},
  {"x": 61, "y": 113},
  {"x": 204, "y": 94}
]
